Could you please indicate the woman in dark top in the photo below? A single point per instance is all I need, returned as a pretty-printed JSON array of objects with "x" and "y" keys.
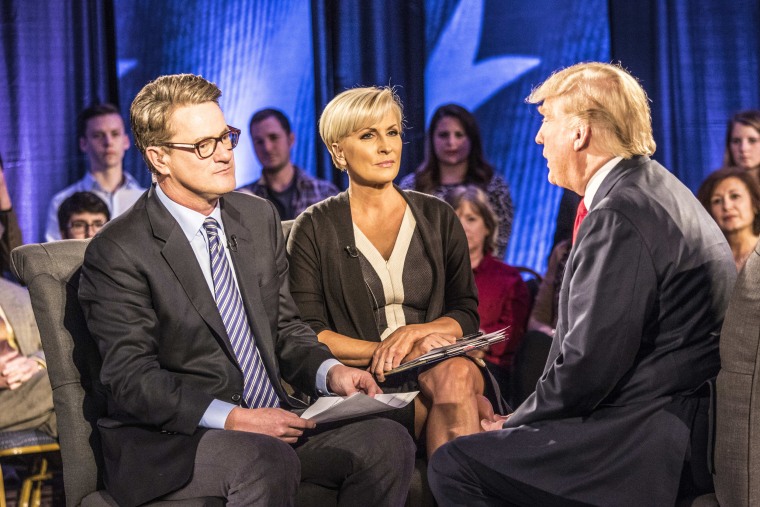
[
  {"x": 453, "y": 157},
  {"x": 383, "y": 275}
]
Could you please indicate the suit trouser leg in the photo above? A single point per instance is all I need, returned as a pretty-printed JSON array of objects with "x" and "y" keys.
[
  {"x": 369, "y": 461},
  {"x": 459, "y": 480},
  {"x": 247, "y": 469}
]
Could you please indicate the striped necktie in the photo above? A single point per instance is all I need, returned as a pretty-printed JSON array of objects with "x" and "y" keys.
[{"x": 257, "y": 388}]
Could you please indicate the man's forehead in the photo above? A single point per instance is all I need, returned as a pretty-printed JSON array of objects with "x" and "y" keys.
[
  {"x": 197, "y": 120},
  {"x": 105, "y": 122},
  {"x": 267, "y": 126}
]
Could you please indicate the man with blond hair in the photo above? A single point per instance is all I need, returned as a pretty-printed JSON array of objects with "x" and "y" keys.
[
  {"x": 617, "y": 415},
  {"x": 187, "y": 297}
]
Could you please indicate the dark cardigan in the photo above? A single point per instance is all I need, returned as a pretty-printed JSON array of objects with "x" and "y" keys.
[{"x": 326, "y": 278}]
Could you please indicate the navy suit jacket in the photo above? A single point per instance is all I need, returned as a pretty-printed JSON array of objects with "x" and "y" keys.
[
  {"x": 165, "y": 351},
  {"x": 640, "y": 311}
]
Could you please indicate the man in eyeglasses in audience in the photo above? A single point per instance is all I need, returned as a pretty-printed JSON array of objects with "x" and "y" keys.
[
  {"x": 103, "y": 138},
  {"x": 81, "y": 215},
  {"x": 187, "y": 298}
]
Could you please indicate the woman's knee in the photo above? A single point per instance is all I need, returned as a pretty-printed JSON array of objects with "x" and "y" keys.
[{"x": 452, "y": 378}]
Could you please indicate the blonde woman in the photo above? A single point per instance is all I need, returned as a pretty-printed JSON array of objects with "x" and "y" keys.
[{"x": 383, "y": 275}]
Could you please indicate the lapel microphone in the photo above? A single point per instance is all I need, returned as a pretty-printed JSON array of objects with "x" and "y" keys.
[
  {"x": 232, "y": 243},
  {"x": 353, "y": 252}
]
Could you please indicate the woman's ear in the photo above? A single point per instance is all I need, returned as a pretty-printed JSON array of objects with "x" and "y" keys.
[{"x": 339, "y": 155}]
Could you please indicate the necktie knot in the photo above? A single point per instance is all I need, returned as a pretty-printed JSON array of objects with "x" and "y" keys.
[{"x": 211, "y": 226}]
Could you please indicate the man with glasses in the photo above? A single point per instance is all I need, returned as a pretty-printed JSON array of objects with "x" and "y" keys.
[
  {"x": 103, "y": 138},
  {"x": 81, "y": 215},
  {"x": 187, "y": 297}
]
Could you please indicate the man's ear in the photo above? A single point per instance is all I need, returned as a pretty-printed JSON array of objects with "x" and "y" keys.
[
  {"x": 582, "y": 137},
  {"x": 83, "y": 144},
  {"x": 159, "y": 159},
  {"x": 291, "y": 139}
]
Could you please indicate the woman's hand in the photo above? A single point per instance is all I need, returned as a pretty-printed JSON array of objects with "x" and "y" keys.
[
  {"x": 428, "y": 343},
  {"x": 397, "y": 347}
]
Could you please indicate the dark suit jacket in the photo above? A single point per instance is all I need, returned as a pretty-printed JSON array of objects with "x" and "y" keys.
[
  {"x": 641, "y": 306},
  {"x": 165, "y": 351}
]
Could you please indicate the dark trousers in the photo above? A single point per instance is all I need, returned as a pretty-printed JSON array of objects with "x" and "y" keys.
[{"x": 369, "y": 462}]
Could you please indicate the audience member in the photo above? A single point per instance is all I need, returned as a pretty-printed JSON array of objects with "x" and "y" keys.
[
  {"x": 10, "y": 233},
  {"x": 382, "y": 275},
  {"x": 641, "y": 307},
  {"x": 186, "y": 295},
  {"x": 104, "y": 139},
  {"x": 288, "y": 186},
  {"x": 732, "y": 196},
  {"x": 454, "y": 156},
  {"x": 26, "y": 399},
  {"x": 503, "y": 296},
  {"x": 545, "y": 312},
  {"x": 743, "y": 142},
  {"x": 81, "y": 215}
]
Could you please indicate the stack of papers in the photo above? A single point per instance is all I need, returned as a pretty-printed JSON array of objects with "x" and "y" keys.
[
  {"x": 335, "y": 408},
  {"x": 461, "y": 346}
]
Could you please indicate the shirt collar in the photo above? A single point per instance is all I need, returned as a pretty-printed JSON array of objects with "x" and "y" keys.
[
  {"x": 128, "y": 182},
  {"x": 596, "y": 181},
  {"x": 191, "y": 222}
]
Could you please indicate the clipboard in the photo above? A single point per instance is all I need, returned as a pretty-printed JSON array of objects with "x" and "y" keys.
[{"x": 458, "y": 348}]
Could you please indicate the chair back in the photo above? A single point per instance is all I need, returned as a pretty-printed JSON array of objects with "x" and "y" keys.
[
  {"x": 737, "y": 415},
  {"x": 51, "y": 272}
]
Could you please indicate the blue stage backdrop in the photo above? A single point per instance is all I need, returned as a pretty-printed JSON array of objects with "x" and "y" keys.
[
  {"x": 259, "y": 52},
  {"x": 485, "y": 55}
]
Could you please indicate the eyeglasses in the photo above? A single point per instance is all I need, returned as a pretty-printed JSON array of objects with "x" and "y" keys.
[
  {"x": 206, "y": 147},
  {"x": 82, "y": 226}
]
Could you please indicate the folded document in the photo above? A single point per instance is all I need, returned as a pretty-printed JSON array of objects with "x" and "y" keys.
[
  {"x": 458, "y": 348},
  {"x": 335, "y": 408}
]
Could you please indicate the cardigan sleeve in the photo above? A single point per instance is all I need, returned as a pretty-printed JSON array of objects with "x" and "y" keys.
[{"x": 306, "y": 274}]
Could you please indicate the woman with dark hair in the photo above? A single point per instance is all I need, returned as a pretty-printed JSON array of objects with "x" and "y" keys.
[
  {"x": 503, "y": 297},
  {"x": 732, "y": 196},
  {"x": 453, "y": 157},
  {"x": 743, "y": 142}
]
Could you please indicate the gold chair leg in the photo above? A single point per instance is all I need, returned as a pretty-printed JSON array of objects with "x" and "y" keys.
[
  {"x": 26, "y": 499},
  {"x": 2, "y": 488}
]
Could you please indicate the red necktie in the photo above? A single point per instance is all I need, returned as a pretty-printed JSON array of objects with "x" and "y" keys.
[{"x": 579, "y": 216}]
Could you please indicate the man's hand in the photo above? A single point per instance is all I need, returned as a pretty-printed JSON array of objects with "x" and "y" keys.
[
  {"x": 16, "y": 369},
  {"x": 274, "y": 422},
  {"x": 344, "y": 381}
]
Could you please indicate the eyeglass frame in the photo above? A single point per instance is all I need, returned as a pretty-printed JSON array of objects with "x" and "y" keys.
[
  {"x": 196, "y": 146},
  {"x": 86, "y": 226}
]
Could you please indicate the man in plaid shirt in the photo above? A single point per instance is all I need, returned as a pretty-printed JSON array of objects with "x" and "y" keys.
[{"x": 289, "y": 187}]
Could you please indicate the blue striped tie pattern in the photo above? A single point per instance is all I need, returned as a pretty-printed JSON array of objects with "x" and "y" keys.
[{"x": 257, "y": 389}]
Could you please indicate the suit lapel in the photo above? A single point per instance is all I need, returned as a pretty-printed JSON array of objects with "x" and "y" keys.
[{"x": 181, "y": 259}]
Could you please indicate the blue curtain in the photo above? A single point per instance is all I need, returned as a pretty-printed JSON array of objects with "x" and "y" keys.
[
  {"x": 698, "y": 61},
  {"x": 58, "y": 57},
  {"x": 372, "y": 43}
]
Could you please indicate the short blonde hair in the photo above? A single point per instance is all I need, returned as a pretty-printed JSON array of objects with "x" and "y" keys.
[
  {"x": 608, "y": 99},
  {"x": 354, "y": 110},
  {"x": 152, "y": 108}
]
